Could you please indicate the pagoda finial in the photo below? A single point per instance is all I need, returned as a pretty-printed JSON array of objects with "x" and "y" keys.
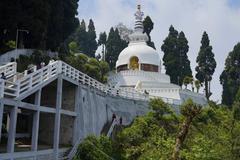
[
  {"x": 138, "y": 36},
  {"x": 139, "y": 14},
  {"x": 138, "y": 19}
]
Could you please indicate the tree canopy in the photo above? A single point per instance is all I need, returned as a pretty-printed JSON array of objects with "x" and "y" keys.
[
  {"x": 148, "y": 27},
  {"x": 91, "y": 66},
  {"x": 230, "y": 77},
  {"x": 206, "y": 64},
  {"x": 196, "y": 133},
  {"x": 114, "y": 46},
  {"x": 176, "y": 62},
  {"x": 49, "y": 22}
]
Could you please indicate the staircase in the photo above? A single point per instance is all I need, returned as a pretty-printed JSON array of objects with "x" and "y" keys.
[
  {"x": 23, "y": 84},
  {"x": 18, "y": 86}
]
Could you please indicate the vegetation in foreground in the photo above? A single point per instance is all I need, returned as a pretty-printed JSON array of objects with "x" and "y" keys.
[{"x": 197, "y": 133}]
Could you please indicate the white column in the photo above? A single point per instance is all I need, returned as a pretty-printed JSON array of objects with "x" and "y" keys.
[
  {"x": 82, "y": 112},
  {"x": 91, "y": 126},
  {"x": 1, "y": 118},
  {"x": 12, "y": 130},
  {"x": 57, "y": 117},
  {"x": 36, "y": 116},
  {"x": 76, "y": 131},
  {"x": 96, "y": 113}
]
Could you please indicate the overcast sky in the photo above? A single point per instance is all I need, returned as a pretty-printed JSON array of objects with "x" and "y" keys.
[{"x": 220, "y": 18}]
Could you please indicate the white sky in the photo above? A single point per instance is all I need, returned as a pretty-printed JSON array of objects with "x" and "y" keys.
[{"x": 220, "y": 18}]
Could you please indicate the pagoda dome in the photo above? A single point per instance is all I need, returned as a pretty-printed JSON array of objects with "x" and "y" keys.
[{"x": 144, "y": 53}]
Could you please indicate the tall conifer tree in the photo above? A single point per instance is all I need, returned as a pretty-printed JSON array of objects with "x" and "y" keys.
[
  {"x": 184, "y": 63},
  {"x": 148, "y": 27},
  {"x": 175, "y": 57},
  {"x": 102, "y": 41},
  {"x": 206, "y": 64},
  {"x": 114, "y": 46},
  {"x": 91, "y": 40},
  {"x": 230, "y": 77}
]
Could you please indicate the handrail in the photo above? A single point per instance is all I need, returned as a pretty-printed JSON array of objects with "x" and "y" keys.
[
  {"x": 9, "y": 69},
  {"x": 32, "y": 80},
  {"x": 167, "y": 100},
  {"x": 114, "y": 123},
  {"x": 87, "y": 80},
  {"x": 74, "y": 149}
]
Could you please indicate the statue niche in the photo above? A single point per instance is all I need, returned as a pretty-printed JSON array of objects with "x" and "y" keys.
[{"x": 134, "y": 63}]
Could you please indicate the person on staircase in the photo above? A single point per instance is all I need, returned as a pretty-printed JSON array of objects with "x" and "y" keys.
[
  {"x": 113, "y": 117},
  {"x": 3, "y": 76}
]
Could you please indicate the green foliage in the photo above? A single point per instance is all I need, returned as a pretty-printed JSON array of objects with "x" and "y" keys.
[
  {"x": 159, "y": 107},
  {"x": 49, "y": 22},
  {"x": 11, "y": 44},
  {"x": 187, "y": 80},
  {"x": 206, "y": 64},
  {"x": 102, "y": 41},
  {"x": 197, "y": 84},
  {"x": 230, "y": 77},
  {"x": 91, "y": 66},
  {"x": 148, "y": 27},
  {"x": 91, "y": 40},
  {"x": 36, "y": 58},
  {"x": 175, "y": 57},
  {"x": 114, "y": 46},
  {"x": 190, "y": 109},
  {"x": 73, "y": 47},
  {"x": 62, "y": 22},
  {"x": 93, "y": 148},
  {"x": 212, "y": 135},
  {"x": 85, "y": 39}
]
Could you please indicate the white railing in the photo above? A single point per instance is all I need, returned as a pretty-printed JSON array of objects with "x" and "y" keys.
[
  {"x": 30, "y": 155},
  {"x": 36, "y": 78},
  {"x": 73, "y": 151},
  {"x": 9, "y": 69},
  {"x": 114, "y": 123},
  {"x": 82, "y": 78},
  {"x": 153, "y": 76},
  {"x": 167, "y": 100},
  {"x": 28, "y": 82}
]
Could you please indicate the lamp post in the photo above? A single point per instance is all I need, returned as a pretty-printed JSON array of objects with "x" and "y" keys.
[{"x": 19, "y": 30}]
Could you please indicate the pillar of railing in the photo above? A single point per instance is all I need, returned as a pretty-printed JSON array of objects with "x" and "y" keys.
[
  {"x": 59, "y": 69},
  {"x": 18, "y": 88},
  {"x": 1, "y": 88}
]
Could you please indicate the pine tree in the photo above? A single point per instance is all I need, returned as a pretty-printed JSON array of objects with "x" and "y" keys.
[
  {"x": 184, "y": 63},
  {"x": 206, "y": 64},
  {"x": 49, "y": 22},
  {"x": 230, "y": 77},
  {"x": 91, "y": 40},
  {"x": 102, "y": 41},
  {"x": 114, "y": 46},
  {"x": 80, "y": 37},
  {"x": 175, "y": 57},
  {"x": 62, "y": 22},
  {"x": 169, "y": 48},
  {"x": 148, "y": 27}
]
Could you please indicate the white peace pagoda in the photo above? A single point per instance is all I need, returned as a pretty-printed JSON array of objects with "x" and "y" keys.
[{"x": 139, "y": 67}]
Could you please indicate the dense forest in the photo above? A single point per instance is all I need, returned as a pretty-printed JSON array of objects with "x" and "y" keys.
[{"x": 48, "y": 22}]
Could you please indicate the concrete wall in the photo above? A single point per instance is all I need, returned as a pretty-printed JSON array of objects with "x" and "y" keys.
[
  {"x": 66, "y": 130},
  {"x": 97, "y": 109},
  {"x": 68, "y": 96},
  {"x": 46, "y": 129},
  {"x": 6, "y": 57}
]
